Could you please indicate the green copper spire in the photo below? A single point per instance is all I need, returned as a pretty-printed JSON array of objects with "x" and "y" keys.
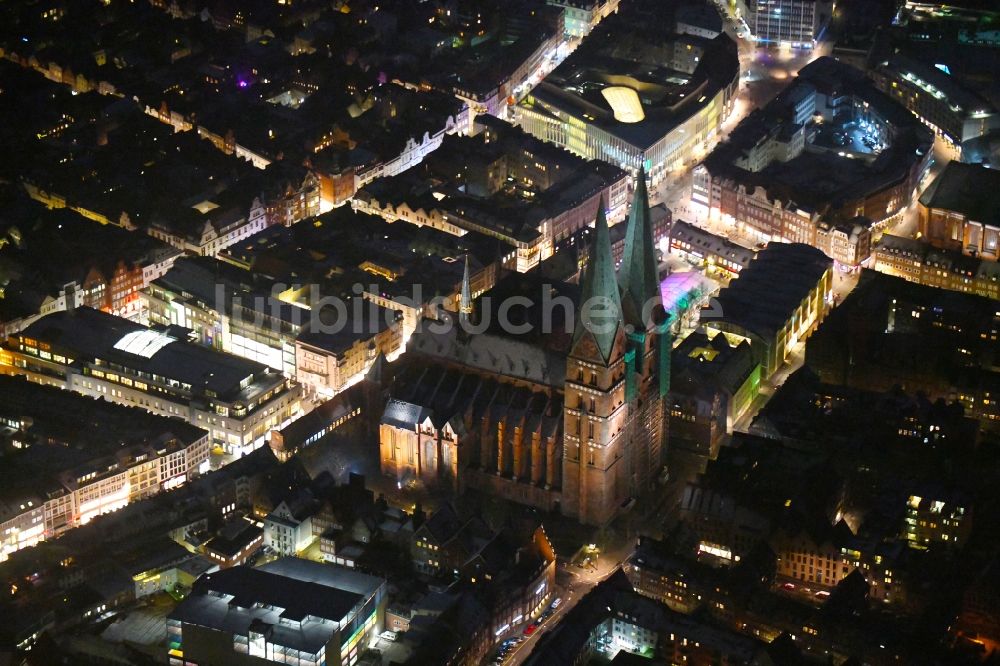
[
  {"x": 639, "y": 277},
  {"x": 465, "y": 300},
  {"x": 600, "y": 311}
]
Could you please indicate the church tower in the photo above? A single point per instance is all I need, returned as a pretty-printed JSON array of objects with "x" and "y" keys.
[
  {"x": 614, "y": 419},
  {"x": 648, "y": 358},
  {"x": 638, "y": 277},
  {"x": 594, "y": 478}
]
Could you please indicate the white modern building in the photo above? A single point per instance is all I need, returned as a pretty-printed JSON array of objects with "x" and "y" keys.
[
  {"x": 287, "y": 531},
  {"x": 794, "y": 23}
]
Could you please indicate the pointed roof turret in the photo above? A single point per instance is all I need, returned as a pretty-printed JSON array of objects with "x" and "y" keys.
[
  {"x": 376, "y": 371},
  {"x": 639, "y": 277},
  {"x": 465, "y": 300},
  {"x": 600, "y": 310}
]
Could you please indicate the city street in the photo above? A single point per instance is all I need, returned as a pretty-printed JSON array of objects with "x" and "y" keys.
[
  {"x": 764, "y": 72},
  {"x": 573, "y": 583},
  {"x": 943, "y": 153},
  {"x": 768, "y": 388}
]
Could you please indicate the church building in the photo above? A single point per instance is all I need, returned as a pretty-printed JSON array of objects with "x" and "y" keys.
[{"x": 571, "y": 419}]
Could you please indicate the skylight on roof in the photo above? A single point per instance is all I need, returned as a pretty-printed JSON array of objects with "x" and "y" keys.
[
  {"x": 205, "y": 207},
  {"x": 624, "y": 103},
  {"x": 143, "y": 343}
]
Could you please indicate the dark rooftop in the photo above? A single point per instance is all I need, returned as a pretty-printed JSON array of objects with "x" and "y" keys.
[
  {"x": 314, "y": 597},
  {"x": 968, "y": 189},
  {"x": 92, "y": 334},
  {"x": 234, "y": 537},
  {"x": 767, "y": 292},
  {"x": 330, "y": 332},
  {"x": 668, "y": 98},
  {"x": 61, "y": 431}
]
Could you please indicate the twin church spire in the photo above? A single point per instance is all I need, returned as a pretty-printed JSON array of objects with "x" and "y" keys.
[
  {"x": 638, "y": 277},
  {"x": 607, "y": 303},
  {"x": 600, "y": 308}
]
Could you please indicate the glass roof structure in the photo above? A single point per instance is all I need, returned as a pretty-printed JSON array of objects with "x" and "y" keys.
[
  {"x": 143, "y": 343},
  {"x": 624, "y": 103}
]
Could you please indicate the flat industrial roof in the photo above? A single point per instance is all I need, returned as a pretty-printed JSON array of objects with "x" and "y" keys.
[
  {"x": 766, "y": 293},
  {"x": 319, "y": 597},
  {"x": 86, "y": 332}
]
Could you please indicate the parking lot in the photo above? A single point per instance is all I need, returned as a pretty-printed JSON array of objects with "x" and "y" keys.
[{"x": 852, "y": 137}]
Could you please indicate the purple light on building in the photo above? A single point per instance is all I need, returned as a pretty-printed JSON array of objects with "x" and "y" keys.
[{"x": 681, "y": 291}]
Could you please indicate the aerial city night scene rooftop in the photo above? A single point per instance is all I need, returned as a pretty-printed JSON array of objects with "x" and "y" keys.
[{"x": 500, "y": 332}]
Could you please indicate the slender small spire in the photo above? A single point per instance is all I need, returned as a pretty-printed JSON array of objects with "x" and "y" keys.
[
  {"x": 599, "y": 294},
  {"x": 376, "y": 370},
  {"x": 639, "y": 277},
  {"x": 465, "y": 300}
]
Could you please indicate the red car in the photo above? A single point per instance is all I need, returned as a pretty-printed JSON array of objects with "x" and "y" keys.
[{"x": 530, "y": 629}]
